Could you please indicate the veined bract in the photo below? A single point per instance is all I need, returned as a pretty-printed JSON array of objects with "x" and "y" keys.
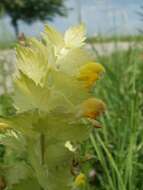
[{"x": 55, "y": 108}]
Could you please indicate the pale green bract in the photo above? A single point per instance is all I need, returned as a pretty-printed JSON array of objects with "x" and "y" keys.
[{"x": 47, "y": 96}]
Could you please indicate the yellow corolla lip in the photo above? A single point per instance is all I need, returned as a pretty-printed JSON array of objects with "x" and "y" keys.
[
  {"x": 90, "y": 73},
  {"x": 92, "y": 108},
  {"x": 80, "y": 180}
]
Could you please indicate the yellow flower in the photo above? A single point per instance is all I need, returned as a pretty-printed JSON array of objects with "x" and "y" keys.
[
  {"x": 92, "y": 108},
  {"x": 90, "y": 73},
  {"x": 80, "y": 180}
]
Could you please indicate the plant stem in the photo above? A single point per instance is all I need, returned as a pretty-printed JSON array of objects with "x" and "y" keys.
[{"x": 42, "y": 145}]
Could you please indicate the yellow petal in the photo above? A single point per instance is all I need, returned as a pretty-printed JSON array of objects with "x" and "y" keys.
[{"x": 90, "y": 73}]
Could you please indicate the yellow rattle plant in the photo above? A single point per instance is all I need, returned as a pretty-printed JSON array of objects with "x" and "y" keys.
[{"x": 55, "y": 109}]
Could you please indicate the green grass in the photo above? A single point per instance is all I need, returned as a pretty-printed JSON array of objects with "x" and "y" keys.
[
  {"x": 107, "y": 39},
  {"x": 117, "y": 147},
  {"x": 7, "y": 44}
]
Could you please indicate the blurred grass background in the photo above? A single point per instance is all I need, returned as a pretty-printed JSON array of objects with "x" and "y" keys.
[{"x": 117, "y": 148}]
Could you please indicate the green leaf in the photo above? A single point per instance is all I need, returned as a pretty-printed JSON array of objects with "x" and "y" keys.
[
  {"x": 27, "y": 184},
  {"x": 16, "y": 172}
]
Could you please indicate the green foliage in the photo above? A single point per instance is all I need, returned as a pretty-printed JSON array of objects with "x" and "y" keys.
[
  {"x": 6, "y": 105},
  {"x": 6, "y": 109},
  {"x": 27, "y": 184},
  {"x": 117, "y": 148}
]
